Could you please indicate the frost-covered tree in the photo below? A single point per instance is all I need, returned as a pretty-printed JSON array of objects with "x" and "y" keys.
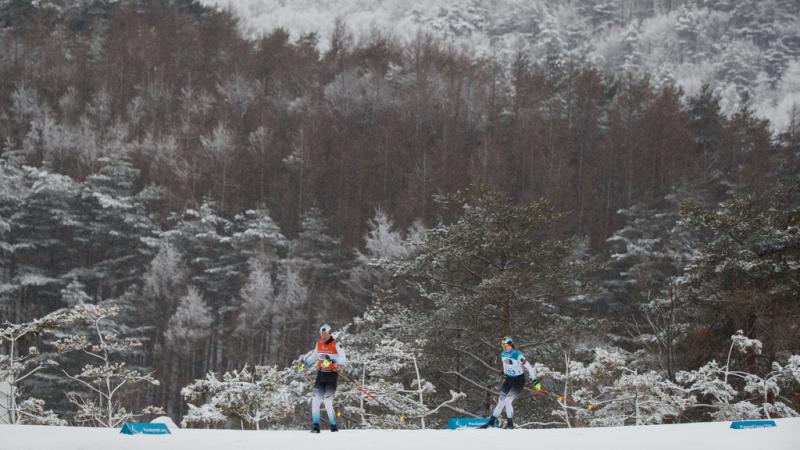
[
  {"x": 105, "y": 376},
  {"x": 609, "y": 392},
  {"x": 387, "y": 387},
  {"x": 260, "y": 145},
  {"x": 641, "y": 399},
  {"x": 689, "y": 32},
  {"x": 203, "y": 236},
  {"x": 166, "y": 277},
  {"x": 255, "y": 234},
  {"x": 167, "y": 167},
  {"x": 745, "y": 275},
  {"x": 737, "y": 394},
  {"x": 190, "y": 325},
  {"x": 240, "y": 92},
  {"x": 220, "y": 148},
  {"x": 492, "y": 259},
  {"x": 642, "y": 284},
  {"x": 259, "y": 308},
  {"x": 18, "y": 364},
  {"x": 321, "y": 262},
  {"x": 115, "y": 236},
  {"x": 385, "y": 249},
  {"x": 632, "y": 58},
  {"x": 32, "y": 412},
  {"x": 263, "y": 394},
  {"x": 490, "y": 272}
]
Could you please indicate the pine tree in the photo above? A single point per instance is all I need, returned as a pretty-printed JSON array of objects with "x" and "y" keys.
[
  {"x": 490, "y": 272},
  {"x": 115, "y": 235},
  {"x": 707, "y": 122},
  {"x": 747, "y": 269}
]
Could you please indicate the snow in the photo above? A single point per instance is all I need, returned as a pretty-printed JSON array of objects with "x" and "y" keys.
[
  {"x": 166, "y": 420},
  {"x": 689, "y": 45},
  {"x": 695, "y": 435}
]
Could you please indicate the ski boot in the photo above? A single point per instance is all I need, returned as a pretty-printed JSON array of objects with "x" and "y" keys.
[
  {"x": 334, "y": 428},
  {"x": 490, "y": 423},
  {"x": 315, "y": 428},
  {"x": 509, "y": 424}
]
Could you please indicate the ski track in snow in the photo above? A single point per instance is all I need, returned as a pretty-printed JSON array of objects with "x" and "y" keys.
[{"x": 715, "y": 435}]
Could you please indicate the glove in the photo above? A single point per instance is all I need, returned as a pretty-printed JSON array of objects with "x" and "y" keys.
[
  {"x": 536, "y": 385},
  {"x": 326, "y": 363},
  {"x": 301, "y": 367},
  {"x": 504, "y": 376}
]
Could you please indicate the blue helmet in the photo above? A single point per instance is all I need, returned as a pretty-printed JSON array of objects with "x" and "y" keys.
[{"x": 507, "y": 340}]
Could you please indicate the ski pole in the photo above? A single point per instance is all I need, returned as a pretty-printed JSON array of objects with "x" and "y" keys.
[
  {"x": 560, "y": 398},
  {"x": 358, "y": 387}
]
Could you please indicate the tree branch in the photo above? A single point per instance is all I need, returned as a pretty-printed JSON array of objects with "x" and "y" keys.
[{"x": 453, "y": 372}]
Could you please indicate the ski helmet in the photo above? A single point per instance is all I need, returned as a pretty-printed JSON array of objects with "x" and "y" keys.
[
  {"x": 507, "y": 340},
  {"x": 325, "y": 328}
]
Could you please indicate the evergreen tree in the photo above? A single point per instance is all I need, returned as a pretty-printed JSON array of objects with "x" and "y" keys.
[
  {"x": 492, "y": 271},
  {"x": 747, "y": 270}
]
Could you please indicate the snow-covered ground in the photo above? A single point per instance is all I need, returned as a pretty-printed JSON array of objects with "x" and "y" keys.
[{"x": 688, "y": 436}]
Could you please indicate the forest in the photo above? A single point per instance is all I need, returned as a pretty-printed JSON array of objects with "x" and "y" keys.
[{"x": 182, "y": 205}]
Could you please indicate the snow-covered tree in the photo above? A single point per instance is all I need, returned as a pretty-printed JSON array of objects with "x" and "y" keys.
[
  {"x": 261, "y": 305},
  {"x": 18, "y": 364},
  {"x": 190, "y": 325},
  {"x": 385, "y": 385},
  {"x": 255, "y": 233},
  {"x": 115, "y": 235},
  {"x": 642, "y": 282},
  {"x": 263, "y": 394},
  {"x": 240, "y": 92},
  {"x": 105, "y": 375},
  {"x": 488, "y": 273},
  {"x": 609, "y": 392},
  {"x": 260, "y": 145},
  {"x": 641, "y": 399},
  {"x": 220, "y": 147},
  {"x": 749, "y": 263},
  {"x": 737, "y": 394},
  {"x": 385, "y": 249},
  {"x": 32, "y": 412},
  {"x": 166, "y": 277}
]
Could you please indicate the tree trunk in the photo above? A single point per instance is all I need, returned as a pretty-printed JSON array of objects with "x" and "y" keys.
[
  {"x": 419, "y": 389},
  {"x": 507, "y": 316}
]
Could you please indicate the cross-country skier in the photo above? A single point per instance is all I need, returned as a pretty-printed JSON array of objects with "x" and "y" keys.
[
  {"x": 328, "y": 356},
  {"x": 514, "y": 365}
]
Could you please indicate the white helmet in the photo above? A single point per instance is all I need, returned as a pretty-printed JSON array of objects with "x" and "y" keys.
[{"x": 325, "y": 328}]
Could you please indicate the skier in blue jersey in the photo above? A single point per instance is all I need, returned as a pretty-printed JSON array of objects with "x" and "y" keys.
[{"x": 514, "y": 366}]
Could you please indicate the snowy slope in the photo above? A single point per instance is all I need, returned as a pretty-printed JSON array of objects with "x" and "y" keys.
[
  {"x": 690, "y": 46},
  {"x": 688, "y": 436}
]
